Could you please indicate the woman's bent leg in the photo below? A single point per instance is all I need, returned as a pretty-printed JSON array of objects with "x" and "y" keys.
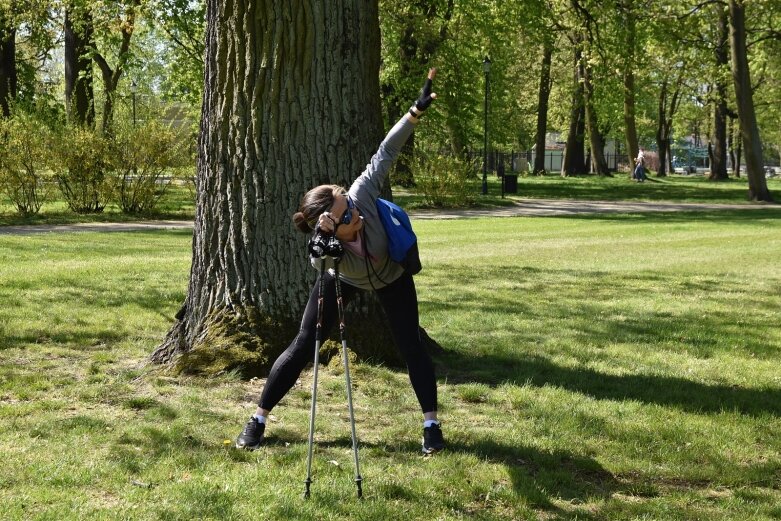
[
  {"x": 400, "y": 302},
  {"x": 291, "y": 362}
]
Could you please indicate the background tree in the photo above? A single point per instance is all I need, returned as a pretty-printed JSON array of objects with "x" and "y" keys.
[
  {"x": 119, "y": 20},
  {"x": 291, "y": 101},
  {"x": 752, "y": 144},
  {"x": 7, "y": 58},
  {"x": 178, "y": 31},
  {"x": 79, "y": 91}
]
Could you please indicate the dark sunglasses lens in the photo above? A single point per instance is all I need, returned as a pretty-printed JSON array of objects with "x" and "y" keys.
[{"x": 348, "y": 213}]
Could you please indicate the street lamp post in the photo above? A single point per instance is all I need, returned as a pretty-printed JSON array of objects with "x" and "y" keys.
[
  {"x": 486, "y": 70},
  {"x": 133, "y": 90}
]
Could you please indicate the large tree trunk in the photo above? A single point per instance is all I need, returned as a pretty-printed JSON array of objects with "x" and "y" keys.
[
  {"x": 542, "y": 108},
  {"x": 745, "y": 100},
  {"x": 574, "y": 162},
  {"x": 718, "y": 166},
  {"x": 79, "y": 93},
  {"x": 291, "y": 101},
  {"x": 7, "y": 65}
]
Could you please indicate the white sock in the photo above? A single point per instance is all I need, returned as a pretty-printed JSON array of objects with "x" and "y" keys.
[
  {"x": 429, "y": 423},
  {"x": 261, "y": 419}
]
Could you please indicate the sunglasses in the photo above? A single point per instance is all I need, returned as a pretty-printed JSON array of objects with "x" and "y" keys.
[{"x": 347, "y": 216}]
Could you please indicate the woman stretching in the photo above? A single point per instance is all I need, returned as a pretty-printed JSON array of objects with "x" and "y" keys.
[{"x": 351, "y": 216}]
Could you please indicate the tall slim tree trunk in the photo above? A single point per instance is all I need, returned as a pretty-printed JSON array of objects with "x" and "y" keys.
[
  {"x": 291, "y": 101},
  {"x": 630, "y": 124},
  {"x": 718, "y": 166},
  {"x": 745, "y": 100},
  {"x": 7, "y": 66},
  {"x": 597, "y": 145},
  {"x": 542, "y": 108},
  {"x": 79, "y": 93},
  {"x": 662, "y": 139},
  {"x": 574, "y": 162}
]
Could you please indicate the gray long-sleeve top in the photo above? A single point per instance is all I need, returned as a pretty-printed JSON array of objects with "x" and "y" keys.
[{"x": 378, "y": 269}]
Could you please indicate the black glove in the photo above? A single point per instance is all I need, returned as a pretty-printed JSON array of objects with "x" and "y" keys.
[
  {"x": 425, "y": 98},
  {"x": 322, "y": 244}
]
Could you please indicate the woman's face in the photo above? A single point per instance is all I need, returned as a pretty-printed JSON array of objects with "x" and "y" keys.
[{"x": 342, "y": 207}]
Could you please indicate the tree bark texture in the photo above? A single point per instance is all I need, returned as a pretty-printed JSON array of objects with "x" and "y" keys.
[
  {"x": 542, "y": 108},
  {"x": 291, "y": 101},
  {"x": 630, "y": 123},
  {"x": 749, "y": 131},
  {"x": 79, "y": 93},
  {"x": 574, "y": 162},
  {"x": 718, "y": 165},
  {"x": 596, "y": 141},
  {"x": 7, "y": 66}
]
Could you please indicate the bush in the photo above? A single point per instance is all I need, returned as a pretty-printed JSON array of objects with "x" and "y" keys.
[
  {"x": 23, "y": 160},
  {"x": 446, "y": 180},
  {"x": 145, "y": 160},
  {"x": 81, "y": 156}
]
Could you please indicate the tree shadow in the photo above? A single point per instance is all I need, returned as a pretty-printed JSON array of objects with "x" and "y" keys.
[
  {"x": 669, "y": 391},
  {"x": 683, "y": 215}
]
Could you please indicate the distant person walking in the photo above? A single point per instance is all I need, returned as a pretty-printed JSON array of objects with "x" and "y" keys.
[{"x": 639, "y": 172}]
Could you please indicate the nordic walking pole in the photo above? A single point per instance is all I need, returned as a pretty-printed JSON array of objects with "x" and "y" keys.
[
  {"x": 340, "y": 307},
  {"x": 318, "y": 341}
]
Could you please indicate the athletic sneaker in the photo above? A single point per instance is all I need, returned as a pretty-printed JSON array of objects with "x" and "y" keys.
[
  {"x": 252, "y": 435},
  {"x": 432, "y": 439}
]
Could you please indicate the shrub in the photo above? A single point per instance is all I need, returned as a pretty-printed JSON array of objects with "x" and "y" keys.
[
  {"x": 445, "y": 180},
  {"x": 80, "y": 168},
  {"x": 23, "y": 161},
  {"x": 145, "y": 160}
]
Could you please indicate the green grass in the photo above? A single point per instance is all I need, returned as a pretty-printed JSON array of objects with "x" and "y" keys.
[
  {"x": 179, "y": 201},
  {"x": 596, "y": 367},
  {"x": 674, "y": 188}
]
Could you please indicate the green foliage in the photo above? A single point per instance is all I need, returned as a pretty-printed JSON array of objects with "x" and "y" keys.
[
  {"x": 80, "y": 167},
  {"x": 445, "y": 180},
  {"x": 145, "y": 160},
  {"x": 24, "y": 154}
]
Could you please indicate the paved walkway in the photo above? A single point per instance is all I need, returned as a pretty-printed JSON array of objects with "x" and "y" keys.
[
  {"x": 554, "y": 207},
  {"x": 530, "y": 207}
]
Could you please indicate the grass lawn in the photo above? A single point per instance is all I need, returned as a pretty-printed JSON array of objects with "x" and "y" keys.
[
  {"x": 596, "y": 367},
  {"x": 674, "y": 188},
  {"x": 179, "y": 201}
]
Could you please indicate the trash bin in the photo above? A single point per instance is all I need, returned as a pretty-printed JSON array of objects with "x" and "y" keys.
[{"x": 511, "y": 183}]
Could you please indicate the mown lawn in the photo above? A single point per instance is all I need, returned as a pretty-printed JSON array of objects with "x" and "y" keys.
[
  {"x": 674, "y": 188},
  {"x": 179, "y": 200},
  {"x": 596, "y": 367}
]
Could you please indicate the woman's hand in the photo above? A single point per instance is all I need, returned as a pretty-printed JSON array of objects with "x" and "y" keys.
[
  {"x": 426, "y": 96},
  {"x": 326, "y": 223}
]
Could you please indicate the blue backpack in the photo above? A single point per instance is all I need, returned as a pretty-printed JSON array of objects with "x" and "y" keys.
[{"x": 402, "y": 242}]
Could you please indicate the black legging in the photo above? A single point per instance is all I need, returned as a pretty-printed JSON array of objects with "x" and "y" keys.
[{"x": 400, "y": 302}]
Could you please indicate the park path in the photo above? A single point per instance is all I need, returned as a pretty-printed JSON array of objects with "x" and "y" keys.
[{"x": 522, "y": 207}]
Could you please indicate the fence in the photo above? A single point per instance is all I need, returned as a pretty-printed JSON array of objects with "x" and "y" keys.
[{"x": 500, "y": 162}]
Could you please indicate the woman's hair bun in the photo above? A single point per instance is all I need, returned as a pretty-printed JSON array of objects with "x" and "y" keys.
[{"x": 300, "y": 221}]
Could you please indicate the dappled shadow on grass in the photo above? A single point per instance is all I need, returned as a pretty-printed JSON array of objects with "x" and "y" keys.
[
  {"x": 668, "y": 391},
  {"x": 690, "y": 189},
  {"x": 578, "y": 308},
  {"x": 734, "y": 216},
  {"x": 81, "y": 340},
  {"x": 581, "y": 305},
  {"x": 537, "y": 475}
]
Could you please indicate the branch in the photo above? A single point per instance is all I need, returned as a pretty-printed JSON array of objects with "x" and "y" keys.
[{"x": 700, "y": 6}]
